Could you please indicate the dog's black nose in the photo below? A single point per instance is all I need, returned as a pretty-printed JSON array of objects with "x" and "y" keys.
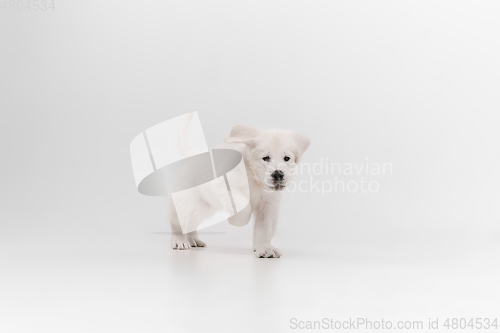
[{"x": 277, "y": 175}]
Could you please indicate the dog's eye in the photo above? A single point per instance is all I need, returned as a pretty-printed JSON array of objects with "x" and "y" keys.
[
  {"x": 287, "y": 158},
  {"x": 266, "y": 158}
]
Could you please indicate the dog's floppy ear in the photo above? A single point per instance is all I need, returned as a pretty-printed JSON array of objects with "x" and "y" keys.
[
  {"x": 301, "y": 144},
  {"x": 243, "y": 134}
]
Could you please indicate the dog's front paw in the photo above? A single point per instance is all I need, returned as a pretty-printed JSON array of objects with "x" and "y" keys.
[
  {"x": 266, "y": 251},
  {"x": 180, "y": 242}
]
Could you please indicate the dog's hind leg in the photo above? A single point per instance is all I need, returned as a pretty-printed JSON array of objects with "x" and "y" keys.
[
  {"x": 203, "y": 211},
  {"x": 242, "y": 217},
  {"x": 194, "y": 218},
  {"x": 179, "y": 241}
]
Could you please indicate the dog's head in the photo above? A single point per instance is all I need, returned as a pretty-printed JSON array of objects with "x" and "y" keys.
[{"x": 271, "y": 154}]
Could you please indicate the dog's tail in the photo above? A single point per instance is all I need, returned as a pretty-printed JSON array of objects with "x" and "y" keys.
[{"x": 185, "y": 149}]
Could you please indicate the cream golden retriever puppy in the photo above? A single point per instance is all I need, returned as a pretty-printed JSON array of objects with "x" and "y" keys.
[{"x": 270, "y": 157}]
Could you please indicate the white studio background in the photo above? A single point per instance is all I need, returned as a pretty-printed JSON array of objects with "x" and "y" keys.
[{"x": 411, "y": 84}]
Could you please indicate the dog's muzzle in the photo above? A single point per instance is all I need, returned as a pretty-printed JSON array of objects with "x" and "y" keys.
[{"x": 278, "y": 183}]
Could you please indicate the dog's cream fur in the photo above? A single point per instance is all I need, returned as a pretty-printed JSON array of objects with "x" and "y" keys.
[{"x": 284, "y": 148}]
